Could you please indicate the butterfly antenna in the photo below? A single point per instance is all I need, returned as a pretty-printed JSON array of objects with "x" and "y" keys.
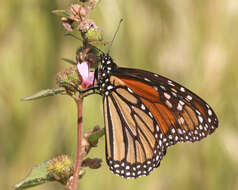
[{"x": 115, "y": 34}]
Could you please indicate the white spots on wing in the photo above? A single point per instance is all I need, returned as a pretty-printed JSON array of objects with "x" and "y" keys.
[
  {"x": 168, "y": 103},
  {"x": 129, "y": 90},
  {"x": 109, "y": 62},
  {"x": 150, "y": 114},
  {"x": 160, "y": 143},
  {"x": 157, "y": 158},
  {"x": 179, "y": 130},
  {"x": 181, "y": 121},
  {"x": 209, "y": 120},
  {"x": 128, "y": 173},
  {"x": 198, "y": 112},
  {"x": 156, "y": 135},
  {"x": 189, "y": 97},
  {"x": 176, "y": 138},
  {"x": 156, "y": 75},
  {"x": 156, "y": 88},
  {"x": 148, "y": 162},
  {"x": 200, "y": 119},
  {"x": 104, "y": 74},
  {"x": 161, "y": 135},
  {"x": 209, "y": 112},
  {"x": 174, "y": 94},
  {"x": 149, "y": 169},
  {"x": 166, "y": 95},
  {"x": 200, "y": 127},
  {"x": 110, "y": 87},
  {"x": 116, "y": 166},
  {"x": 181, "y": 102},
  {"x": 179, "y": 107},
  {"x": 173, "y": 130},
  {"x": 142, "y": 107},
  {"x": 146, "y": 79},
  {"x": 182, "y": 89},
  {"x": 106, "y": 93},
  {"x": 162, "y": 87},
  {"x": 170, "y": 83}
]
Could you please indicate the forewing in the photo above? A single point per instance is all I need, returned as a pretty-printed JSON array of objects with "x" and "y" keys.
[{"x": 180, "y": 114}]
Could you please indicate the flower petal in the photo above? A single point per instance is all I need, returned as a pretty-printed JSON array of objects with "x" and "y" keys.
[{"x": 83, "y": 70}]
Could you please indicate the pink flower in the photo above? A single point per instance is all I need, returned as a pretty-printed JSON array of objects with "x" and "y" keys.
[{"x": 87, "y": 76}]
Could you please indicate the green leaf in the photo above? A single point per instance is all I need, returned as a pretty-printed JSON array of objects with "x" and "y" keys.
[
  {"x": 44, "y": 93},
  {"x": 93, "y": 138},
  {"x": 57, "y": 169},
  {"x": 38, "y": 175},
  {"x": 69, "y": 61}
]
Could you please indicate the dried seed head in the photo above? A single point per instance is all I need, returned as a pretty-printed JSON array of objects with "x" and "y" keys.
[
  {"x": 67, "y": 24},
  {"x": 69, "y": 78}
]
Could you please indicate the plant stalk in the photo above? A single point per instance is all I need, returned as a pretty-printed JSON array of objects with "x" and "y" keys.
[{"x": 74, "y": 184}]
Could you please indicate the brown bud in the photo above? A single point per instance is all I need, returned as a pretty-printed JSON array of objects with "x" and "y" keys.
[
  {"x": 94, "y": 163},
  {"x": 67, "y": 24}
]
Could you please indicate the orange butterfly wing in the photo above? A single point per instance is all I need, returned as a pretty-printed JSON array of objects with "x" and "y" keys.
[{"x": 145, "y": 113}]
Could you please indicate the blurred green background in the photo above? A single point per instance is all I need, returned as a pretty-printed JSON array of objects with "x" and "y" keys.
[{"x": 192, "y": 42}]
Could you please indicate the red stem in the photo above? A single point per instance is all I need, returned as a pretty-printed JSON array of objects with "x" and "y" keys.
[{"x": 78, "y": 161}]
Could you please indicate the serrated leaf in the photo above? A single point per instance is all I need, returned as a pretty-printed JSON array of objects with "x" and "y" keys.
[
  {"x": 69, "y": 61},
  {"x": 93, "y": 138},
  {"x": 62, "y": 13},
  {"x": 44, "y": 93},
  {"x": 38, "y": 175}
]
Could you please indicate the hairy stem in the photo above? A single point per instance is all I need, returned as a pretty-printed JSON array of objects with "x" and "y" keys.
[{"x": 74, "y": 184}]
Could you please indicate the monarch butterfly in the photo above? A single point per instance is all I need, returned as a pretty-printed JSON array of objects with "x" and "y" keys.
[{"x": 144, "y": 114}]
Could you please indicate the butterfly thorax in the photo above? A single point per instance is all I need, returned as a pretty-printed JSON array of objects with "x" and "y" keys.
[{"x": 105, "y": 71}]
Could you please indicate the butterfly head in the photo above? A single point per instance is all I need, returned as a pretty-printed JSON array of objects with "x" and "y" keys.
[{"x": 107, "y": 67}]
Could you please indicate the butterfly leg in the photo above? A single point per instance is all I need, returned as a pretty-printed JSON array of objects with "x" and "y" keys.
[{"x": 68, "y": 84}]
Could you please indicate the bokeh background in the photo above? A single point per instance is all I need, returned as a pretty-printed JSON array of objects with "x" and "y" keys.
[{"x": 192, "y": 42}]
